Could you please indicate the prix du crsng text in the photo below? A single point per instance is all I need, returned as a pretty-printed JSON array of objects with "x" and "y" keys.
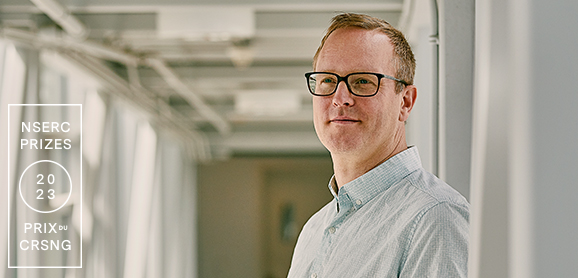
[{"x": 44, "y": 245}]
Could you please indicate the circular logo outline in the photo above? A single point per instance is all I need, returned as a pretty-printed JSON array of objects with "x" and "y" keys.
[{"x": 20, "y": 186}]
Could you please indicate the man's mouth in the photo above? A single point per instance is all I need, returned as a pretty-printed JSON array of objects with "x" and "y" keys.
[{"x": 344, "y": 120}]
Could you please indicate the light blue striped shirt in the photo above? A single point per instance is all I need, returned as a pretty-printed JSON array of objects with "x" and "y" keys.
[{"x": 396, "y": 220}]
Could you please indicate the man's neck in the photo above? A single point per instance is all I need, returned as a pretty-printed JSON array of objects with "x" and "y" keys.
[{"x": 348, "y": 167}]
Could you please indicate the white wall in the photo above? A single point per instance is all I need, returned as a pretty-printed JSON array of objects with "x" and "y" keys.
[
  {"x": 442, "y": 37},
  {"x": 525, "y": 139},
  {"x": 421, "y": 125},
  {"x": 456, "y": 58}
]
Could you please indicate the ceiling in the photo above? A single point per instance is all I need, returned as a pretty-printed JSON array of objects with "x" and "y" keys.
[{"x": 225, "y": 74}]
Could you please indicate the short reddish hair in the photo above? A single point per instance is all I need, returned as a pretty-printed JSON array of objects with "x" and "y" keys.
[{"x": 403, "y": 60}]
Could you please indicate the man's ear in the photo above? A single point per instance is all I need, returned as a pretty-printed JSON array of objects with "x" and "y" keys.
[{"x": 409, "y": 95}]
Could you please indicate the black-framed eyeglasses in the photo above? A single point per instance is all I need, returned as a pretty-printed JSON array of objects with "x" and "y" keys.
[{"x": 362, "y": 84}]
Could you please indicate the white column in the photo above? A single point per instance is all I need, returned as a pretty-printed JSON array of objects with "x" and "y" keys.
[
  {"x": 490, "y": 172},
  {"x": 12, "y": 84},
  {"x": 544, "y": 139},
  {"x": 141, "y": 197},
  {"x": 524, "y": 193},
  {"x": 456, "y": 56}
]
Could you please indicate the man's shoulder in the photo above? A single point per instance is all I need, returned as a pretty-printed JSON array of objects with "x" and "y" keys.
[
  {"x": 419, "y": 193},
  {"x": 434, "y": 190},
  {"x": 323, "y": 215}
]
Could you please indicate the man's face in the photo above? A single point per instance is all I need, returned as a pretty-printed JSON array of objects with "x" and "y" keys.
[{"x": 348, "y": 124}]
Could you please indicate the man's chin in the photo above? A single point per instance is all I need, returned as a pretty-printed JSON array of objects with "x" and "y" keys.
[{"x": 342, "y": 146}]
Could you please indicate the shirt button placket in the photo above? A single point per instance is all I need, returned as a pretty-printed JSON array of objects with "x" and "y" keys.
[{"x": 313, "y": 275}]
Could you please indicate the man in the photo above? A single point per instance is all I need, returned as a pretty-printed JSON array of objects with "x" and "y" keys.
[{"x": 389, "y": 217}]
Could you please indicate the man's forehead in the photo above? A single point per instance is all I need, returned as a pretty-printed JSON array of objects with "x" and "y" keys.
[
  {"x": 357, "y": 39},
  {"x": 357, "y": 31},
  {"x": 356, "y": 48}
]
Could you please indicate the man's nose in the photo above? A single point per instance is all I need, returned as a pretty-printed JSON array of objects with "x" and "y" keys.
[{"x": 343, "y": 96}]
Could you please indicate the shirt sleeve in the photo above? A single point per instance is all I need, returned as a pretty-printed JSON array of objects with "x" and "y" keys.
[{"x": 439, "y": 244}]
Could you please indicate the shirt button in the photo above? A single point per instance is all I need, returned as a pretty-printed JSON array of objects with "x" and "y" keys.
[
  {"x": 331, "y": 230},
  {"x": 358, "y": 202},
  {"x": 314, "y": 275}
]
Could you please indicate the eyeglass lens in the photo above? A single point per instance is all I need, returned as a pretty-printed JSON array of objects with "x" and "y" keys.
[{"x": 362, "y": 84}]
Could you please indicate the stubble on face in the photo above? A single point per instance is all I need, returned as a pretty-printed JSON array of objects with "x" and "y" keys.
[{"x": 348, "y": 124}]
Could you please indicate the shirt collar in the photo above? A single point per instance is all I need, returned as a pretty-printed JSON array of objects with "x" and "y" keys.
[{"x": 364, "y": 188}]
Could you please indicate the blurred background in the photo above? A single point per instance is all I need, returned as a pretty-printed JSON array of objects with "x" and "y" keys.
[{"x": 199, "y": 157}]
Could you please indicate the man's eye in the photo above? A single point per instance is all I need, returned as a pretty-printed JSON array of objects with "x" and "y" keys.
[
  {"x": 362, "y": 81},
  {"x": 327, "y": 80}
]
